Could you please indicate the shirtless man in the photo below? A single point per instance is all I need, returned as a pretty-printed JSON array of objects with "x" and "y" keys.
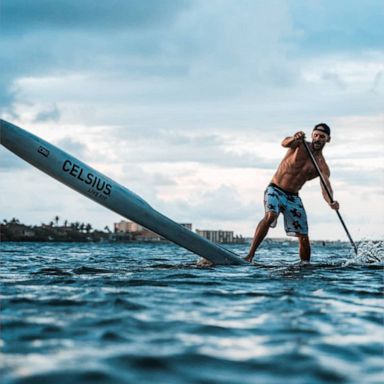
[{"x": 281, "y": 195}]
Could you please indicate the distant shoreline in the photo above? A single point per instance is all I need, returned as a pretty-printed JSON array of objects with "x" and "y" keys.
[
  {"x": 14, "y": 231},
  {"x": 269, "y": 241}
]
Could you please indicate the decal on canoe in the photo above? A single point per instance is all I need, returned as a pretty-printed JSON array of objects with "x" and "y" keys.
[
  {"x": 97, "y": 186},
  {"x": 43, "y": 151}
]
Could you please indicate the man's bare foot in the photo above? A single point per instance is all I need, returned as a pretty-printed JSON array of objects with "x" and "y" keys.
[{"x": 248, "y": 258}]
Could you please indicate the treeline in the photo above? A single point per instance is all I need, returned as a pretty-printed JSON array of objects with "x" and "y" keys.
[{"x": 14, "y": 230}]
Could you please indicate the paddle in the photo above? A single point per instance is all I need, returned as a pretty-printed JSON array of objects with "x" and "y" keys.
[{"x": 310, "y": 154}]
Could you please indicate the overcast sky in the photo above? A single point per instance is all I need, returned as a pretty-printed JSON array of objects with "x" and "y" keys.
[{"x": 186, "y": 103}]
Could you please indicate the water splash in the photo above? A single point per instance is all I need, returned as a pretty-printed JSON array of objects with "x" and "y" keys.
[{"x": 369, "y": 251}]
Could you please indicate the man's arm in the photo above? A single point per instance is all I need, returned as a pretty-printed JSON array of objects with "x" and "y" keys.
[
  {"x": 293, "y": 141},
  {"x": 333, "y": 204}
]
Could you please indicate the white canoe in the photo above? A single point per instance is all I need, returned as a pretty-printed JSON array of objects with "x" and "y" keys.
[{"x": 100, "y": 188}]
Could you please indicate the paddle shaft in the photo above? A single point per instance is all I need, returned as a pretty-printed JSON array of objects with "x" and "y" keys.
[{"x": 310, "y": 154}]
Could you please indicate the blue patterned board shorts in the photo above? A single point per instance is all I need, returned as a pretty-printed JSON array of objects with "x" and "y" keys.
[{"x": 290, "y": 205}]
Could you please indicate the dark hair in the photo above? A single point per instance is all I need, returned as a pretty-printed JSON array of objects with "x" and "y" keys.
[{"x": 323, "y": 128}]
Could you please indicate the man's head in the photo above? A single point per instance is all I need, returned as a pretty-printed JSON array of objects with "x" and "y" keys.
[{"x": 321, "y": 135}]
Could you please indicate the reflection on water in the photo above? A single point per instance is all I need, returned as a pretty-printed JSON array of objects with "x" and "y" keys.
[{"x": 121, "y": 313}]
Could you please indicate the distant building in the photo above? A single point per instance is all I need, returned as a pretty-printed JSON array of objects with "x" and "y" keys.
[
  {"x": 217, "y": 236},
  {"x": 122, "y": 236},
  {"x": 131, "y": 231},
  {"x": 279, "y": 240},
  {"x": 18, "y": 230},
  {"x": 147, "y": 235},
  {"x": 125, "y": 226}
]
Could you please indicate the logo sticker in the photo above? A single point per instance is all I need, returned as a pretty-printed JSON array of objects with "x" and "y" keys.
[{"x": 43, "y": 151}]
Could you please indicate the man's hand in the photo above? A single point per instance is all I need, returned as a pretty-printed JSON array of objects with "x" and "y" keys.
[
  {"x": 335, "y": 205},
  {"x": 299, "y": 136},
  {"x": 293, "y": 141}
]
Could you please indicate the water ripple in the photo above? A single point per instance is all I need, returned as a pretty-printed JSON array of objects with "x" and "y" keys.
[{"x": 127, "y": 313}]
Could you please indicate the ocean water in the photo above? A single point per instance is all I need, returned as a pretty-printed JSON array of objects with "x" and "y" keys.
[{"x": 145, "y": 313}]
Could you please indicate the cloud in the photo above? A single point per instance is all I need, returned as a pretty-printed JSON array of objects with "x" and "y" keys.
[
  {"x": 351, "y": 176},
  {"x": 171, "y": 147},
  {"x": 222, "y": 204},
  {"x": 82, "y": 36},
  {"x": 173, "y": 98},
  {"x": 217, "y": 50},
  {"x": 140, "y": 47},
  {"x": 72, "y": 146},
  {"x": 9, "y": 162},
  {"x": 22, "y": 16},
  {"x": 377, "y": 82},
  {"x": 344, "y": 26},
  {"x": 52, "y": 113}
]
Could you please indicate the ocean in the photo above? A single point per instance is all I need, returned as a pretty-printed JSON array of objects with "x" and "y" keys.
[{"x": 146, "y": 313}]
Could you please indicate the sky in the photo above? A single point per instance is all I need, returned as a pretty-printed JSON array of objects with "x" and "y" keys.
[{"x": 186, "y": 102}]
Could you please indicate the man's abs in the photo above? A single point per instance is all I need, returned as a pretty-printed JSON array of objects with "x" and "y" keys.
[{"x": 294, "y": 170}]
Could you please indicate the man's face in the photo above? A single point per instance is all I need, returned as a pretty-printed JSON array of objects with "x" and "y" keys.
[{"x": 319, "y": 139}]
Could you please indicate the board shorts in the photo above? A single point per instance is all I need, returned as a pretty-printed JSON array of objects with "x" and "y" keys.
[{"x": 290, "y": 205}]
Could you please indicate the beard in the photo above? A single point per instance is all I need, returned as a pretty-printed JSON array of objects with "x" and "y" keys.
[{"x": 317, "y": 145}]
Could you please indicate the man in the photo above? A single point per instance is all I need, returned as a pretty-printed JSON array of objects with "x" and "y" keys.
[{"x": 281, "y": 195}]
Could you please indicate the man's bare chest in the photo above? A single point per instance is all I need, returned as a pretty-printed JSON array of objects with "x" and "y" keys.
[{"x": 302, "y": 165}]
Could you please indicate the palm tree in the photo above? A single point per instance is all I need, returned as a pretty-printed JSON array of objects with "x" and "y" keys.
[
  {"x": 88, "y": 227},
  {"x": 65, "y": 223},
  {"x": 82, "y": 225},
  {"x": 57, "y": 220}
]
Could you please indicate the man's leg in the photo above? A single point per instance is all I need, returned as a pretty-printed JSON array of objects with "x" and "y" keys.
[
  {"x": 304, "y": 248},
  {"x": 260, "y": 233}
]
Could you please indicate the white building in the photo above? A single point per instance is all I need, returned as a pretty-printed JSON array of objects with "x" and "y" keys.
[
  {"x": 127, "y": 226},
  {"x": 218, "y": 236}
]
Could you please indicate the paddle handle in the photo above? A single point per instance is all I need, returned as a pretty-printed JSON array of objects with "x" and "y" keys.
[{"x": 310, "y": 154}]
